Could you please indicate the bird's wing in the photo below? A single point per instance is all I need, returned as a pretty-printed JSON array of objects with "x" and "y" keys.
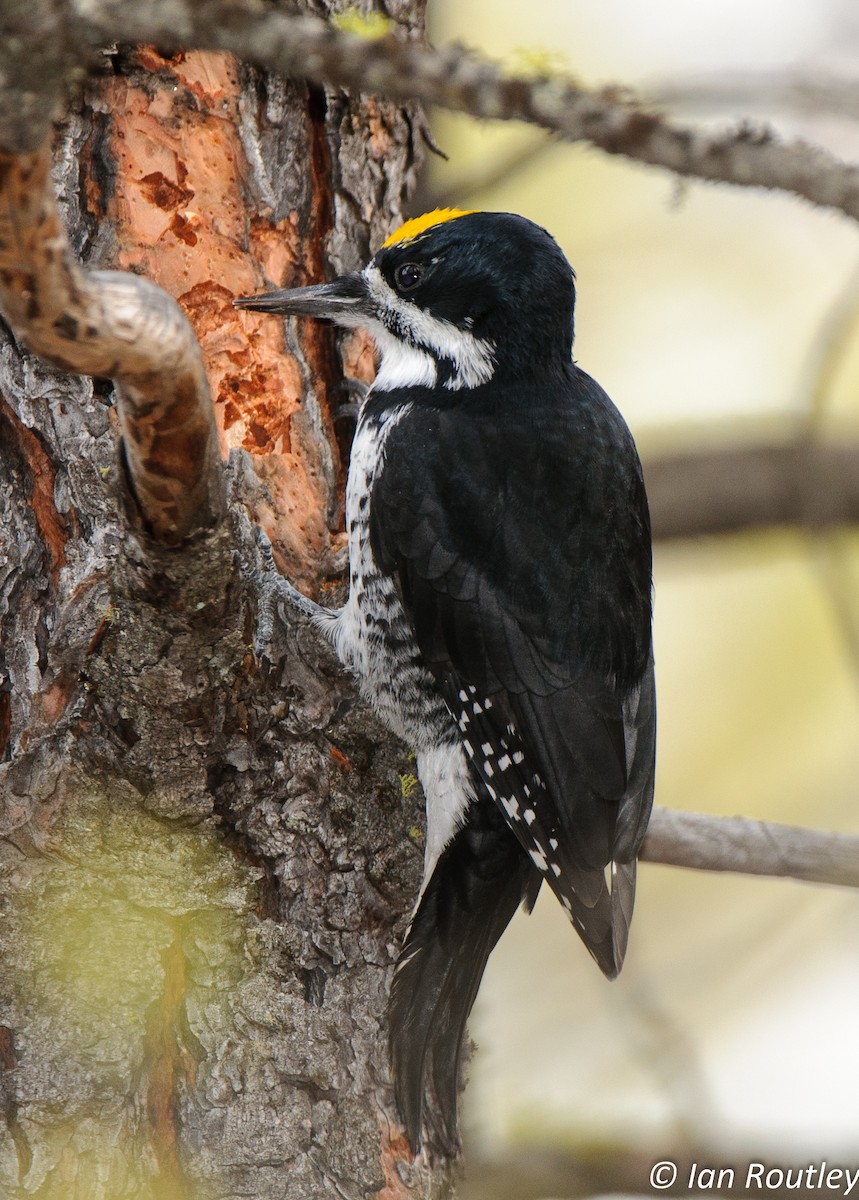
[{"x": 521, "y": 544}]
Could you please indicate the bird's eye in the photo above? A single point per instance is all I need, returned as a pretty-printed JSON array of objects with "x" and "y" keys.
[{"x": 408, "y": 276}]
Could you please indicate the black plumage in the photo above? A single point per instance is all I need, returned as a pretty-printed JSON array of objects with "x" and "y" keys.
[
  {"x": 478, "y": 883},
  {"x": 507, "y": 543},
  {"x": 520, "y": 539}
]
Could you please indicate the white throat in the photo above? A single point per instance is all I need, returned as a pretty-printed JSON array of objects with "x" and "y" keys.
[
  {"x": 401, "y": 365},
  {"x": 414, "y": 363}
]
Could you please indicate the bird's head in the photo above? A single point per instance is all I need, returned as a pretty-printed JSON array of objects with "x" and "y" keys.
[{"x": 452, "y": 299}]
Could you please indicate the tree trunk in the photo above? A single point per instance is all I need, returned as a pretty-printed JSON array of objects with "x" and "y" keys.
[{"x": 208, "y": 848}]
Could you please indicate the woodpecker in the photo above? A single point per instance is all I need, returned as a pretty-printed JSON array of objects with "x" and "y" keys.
[{"x": 499, "y": 610}]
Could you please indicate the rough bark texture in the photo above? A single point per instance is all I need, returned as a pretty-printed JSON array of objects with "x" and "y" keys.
[{"x": 207, "y": 852}]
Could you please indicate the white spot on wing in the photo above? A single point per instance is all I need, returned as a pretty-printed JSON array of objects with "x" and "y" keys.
[{"x": 539, "y": 859}]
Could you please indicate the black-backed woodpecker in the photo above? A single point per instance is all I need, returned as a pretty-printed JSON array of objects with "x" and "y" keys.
[{"x": 499, "y": 610}]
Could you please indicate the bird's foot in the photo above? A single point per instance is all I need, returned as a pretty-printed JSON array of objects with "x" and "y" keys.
[{"x": 276, "y": 592}]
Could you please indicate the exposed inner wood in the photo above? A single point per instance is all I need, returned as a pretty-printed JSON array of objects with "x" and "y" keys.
[{"x": 120, "y": 326}]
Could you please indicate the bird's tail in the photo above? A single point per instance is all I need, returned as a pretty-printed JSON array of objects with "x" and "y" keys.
[
  {"x": 479, "y": 881},
  {"x": 600, "y": 911}
]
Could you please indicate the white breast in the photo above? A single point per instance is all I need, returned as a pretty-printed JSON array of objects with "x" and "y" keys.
[
  {"x": 392, "y": 676},
  {"x": 373, "y": 638}
]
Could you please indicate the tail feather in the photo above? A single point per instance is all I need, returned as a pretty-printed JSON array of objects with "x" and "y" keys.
[
  {"x": 520, "y": 885},
  {"x": 454, "y": 1007},
  {"x": 623, "y": 875},
  {"x": 479, "y": 881}
]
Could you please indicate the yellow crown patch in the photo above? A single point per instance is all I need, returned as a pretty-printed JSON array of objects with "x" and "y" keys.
[{"x": 410, "y": 230}]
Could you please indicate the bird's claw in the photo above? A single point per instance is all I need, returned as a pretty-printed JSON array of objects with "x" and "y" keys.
[{"x": 276, "y": 590}]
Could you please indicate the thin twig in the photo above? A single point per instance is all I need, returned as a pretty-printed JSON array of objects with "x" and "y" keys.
[
  {"x": 831, "y": 558},
  {"x": 832, "y": 343},
  {"x": 458, "y": 190}
]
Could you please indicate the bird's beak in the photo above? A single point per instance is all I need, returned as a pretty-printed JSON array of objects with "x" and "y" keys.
[{"x": 344, "y": 301}]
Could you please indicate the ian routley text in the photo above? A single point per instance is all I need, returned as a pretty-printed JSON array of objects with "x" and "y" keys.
[{"x": 759, "y": 1177}]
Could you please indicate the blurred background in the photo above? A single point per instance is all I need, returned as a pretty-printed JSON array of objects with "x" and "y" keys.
[{"x": 713, "y": 315}]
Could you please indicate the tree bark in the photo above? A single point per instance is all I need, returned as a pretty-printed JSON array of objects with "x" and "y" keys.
[{"x": 208, "y": 850}]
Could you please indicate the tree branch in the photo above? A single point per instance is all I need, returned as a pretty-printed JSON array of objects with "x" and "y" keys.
[
  {"x": 705, "y": 492},
  {"x": 303, "y": 46},
  {"x": 120, "y": 326},
  {"x": 747, "y": 847}
]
